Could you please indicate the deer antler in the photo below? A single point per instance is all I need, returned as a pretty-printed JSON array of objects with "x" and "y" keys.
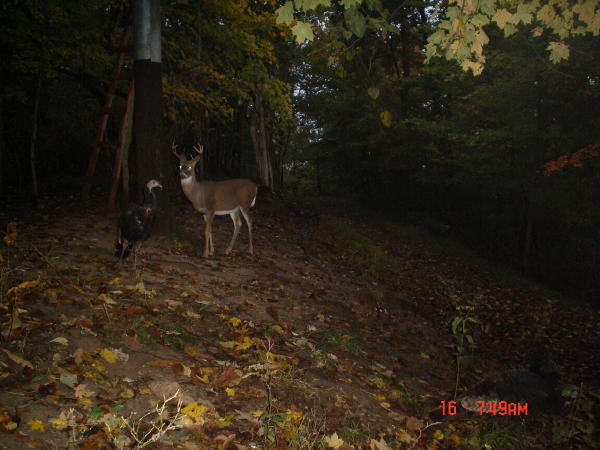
[
  {"x": 174, "y": 149},
  {"x": 199, "y": 148}
]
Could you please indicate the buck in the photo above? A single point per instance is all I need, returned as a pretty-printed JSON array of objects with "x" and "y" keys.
[{"x": 217, "y": 198}]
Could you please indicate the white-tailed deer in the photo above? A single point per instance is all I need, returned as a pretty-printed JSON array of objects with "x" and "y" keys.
[{"x": 217, "y": 197}]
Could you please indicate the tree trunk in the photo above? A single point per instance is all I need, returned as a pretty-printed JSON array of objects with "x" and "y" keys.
[
  {"x": 34, "y": 132},
  {"x": 259, "y": 141},
  {"x": 151, "y": 157},
  {"x": 2, "y": 146}
]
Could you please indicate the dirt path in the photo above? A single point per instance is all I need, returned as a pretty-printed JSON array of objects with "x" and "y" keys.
[{"x": 294, "y": 347}]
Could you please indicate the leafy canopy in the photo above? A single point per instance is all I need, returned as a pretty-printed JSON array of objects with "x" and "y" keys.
[{"x": 460, "y": 24}]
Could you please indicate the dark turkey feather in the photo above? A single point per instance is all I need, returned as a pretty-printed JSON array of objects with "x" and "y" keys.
[
  {"x": 135, "y": 225},
  {"x": 536, "y": 387}
]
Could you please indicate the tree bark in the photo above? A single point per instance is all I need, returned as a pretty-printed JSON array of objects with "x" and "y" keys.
[
  {"x": 260, "y": 143},
  {"x": 2, "y": 145},
  {"x": 34, "y": 132},
  {"x": 152, "y": 160}
]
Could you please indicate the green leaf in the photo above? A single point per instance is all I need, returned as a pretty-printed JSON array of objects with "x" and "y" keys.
[
  {"x": 357, "y": 24},
  {"x": 546, "y": 14},
  {"x": 509, "y": 30},
  {"x": 303, "y": 32},
  {"x": 96, "y": 413},
  {"x": 524, "y": 13},
  {"x": 502, "y": 17},
  {"x": 455, "y": 323},
  {"x": 373, "y": 92},
  {"x": 285, "y": 14},
  {"x": 307, "y": 5},
  {"x": 558, "y": 51},
  {"x": 479, "y": 20},
  {"x": 487, "y": 7},
  {"x": 348, "y": 4}
]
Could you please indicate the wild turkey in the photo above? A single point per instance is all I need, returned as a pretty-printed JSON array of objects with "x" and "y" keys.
[
  {"x": 135, "y": 225},
  {"x": 536, "y": 387}
]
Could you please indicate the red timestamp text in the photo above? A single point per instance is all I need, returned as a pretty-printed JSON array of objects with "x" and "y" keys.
[{"x": 494, "y": 407}]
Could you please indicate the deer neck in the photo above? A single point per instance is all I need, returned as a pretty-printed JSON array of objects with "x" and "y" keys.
[{"x": 192, "y": 189}]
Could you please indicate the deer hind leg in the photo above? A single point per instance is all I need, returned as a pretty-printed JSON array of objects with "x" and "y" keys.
[
  {"x": 237, "y": 223},
  {"x": 246, "y": 214},
  {"x": 208, "y": 242}
]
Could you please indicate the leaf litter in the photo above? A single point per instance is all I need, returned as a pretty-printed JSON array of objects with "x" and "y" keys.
[{"x": 295, "y": 345}]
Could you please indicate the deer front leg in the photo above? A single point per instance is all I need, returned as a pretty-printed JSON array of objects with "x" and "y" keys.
[
  {"x": 237, "y": 222},
  {"x": 208, "y": 244}
]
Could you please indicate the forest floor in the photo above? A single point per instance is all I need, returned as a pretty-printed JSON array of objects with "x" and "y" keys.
[{"x": 335, "y": 334}]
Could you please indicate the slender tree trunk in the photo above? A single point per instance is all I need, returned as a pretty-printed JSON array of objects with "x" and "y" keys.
[
  {"x": 34, "y": 132},
  {"x": 2, "y": 145},
  {"x": 260, "y": 143}
]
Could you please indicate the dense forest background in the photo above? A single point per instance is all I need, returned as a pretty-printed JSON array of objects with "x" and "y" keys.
[{"x": 506, "y": 161}]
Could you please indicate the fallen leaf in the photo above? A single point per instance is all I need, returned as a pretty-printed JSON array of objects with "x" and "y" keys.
[
  {"x": 69, "y": 379},
  {"x": 379, "y": 445},
  {"x": 333, "y": 441},
  {"x": 60, "y": 340},
  {"x": 195, "y": 411},
  {"x": 81, "y": 391},
  {"x": 161, "y": 363},
  {"x": 108, "y": 356},
  {"x": 20, "y": 361},
  {"x": 36, "y": 425}
]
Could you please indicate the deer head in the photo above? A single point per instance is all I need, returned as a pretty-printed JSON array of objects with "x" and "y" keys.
[{"x": 186, "y": 166}]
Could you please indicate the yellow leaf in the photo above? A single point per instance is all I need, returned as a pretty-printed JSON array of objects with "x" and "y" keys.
[
  {"x": 425, "y": 356},
  {"x": 333, "y": 441},
  {"x": 321, "y": 317},
  {"x": 195, "y": 411},
  {"x": 10, "y": 426},
  {"x": 244, "y": 343},
  {"x": 278, "y": 329},
  {"x": 28, "y": 284},
  {"x": 385, "y": 405},
  {"x": 36, "y": 425},
  {"x": 257, "y": 413},
  {"x": 386, "y": 118},
  {"x": 296, "y": 415},
  {"x": 11, "y": 233},
  {"x": 404, "y": 436},
  {"x": 230, "y": 392},
  {"x": 59, "y": 424},
  {"x": 108, "y": 356},
  {"x": 203, "y": 378},
  {"x": 85, "y": 401},
  {"x": 190, "y": 350},
  {"x": 114, "y": 281},
  {"x": 235, "y": 321}
]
